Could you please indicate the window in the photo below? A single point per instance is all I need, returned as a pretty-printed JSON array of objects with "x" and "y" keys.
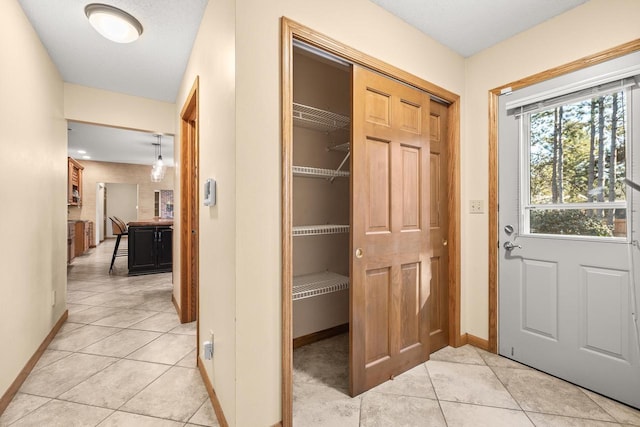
[{"x": 575, "y": 163}]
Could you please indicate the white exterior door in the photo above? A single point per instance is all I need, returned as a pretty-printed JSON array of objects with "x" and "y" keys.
[{"x": 566, "y": 294}]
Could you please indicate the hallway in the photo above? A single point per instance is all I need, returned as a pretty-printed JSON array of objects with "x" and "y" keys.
[{"x": 121, "y": 359}]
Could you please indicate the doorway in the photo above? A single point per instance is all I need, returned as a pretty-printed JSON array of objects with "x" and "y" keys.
[
  {"x": 121, "y": 202},
  {"x": 567, "y": 228},
  {"x": 293, "y": 31},
  {"x": 189, "y": 202}
]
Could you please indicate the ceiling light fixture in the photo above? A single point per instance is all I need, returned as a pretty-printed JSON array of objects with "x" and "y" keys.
[
  {"x": 159, "y": 168},
  {"x": 113, "y": 23}
]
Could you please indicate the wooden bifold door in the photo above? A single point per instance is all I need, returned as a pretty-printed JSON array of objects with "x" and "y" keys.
[{"x": 390, "y": 246}]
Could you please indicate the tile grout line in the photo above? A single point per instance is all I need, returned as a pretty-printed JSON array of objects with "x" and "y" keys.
[
  {"x": 117, "y": 359},
  {"x": 444, "y": 417},
  {"x": 549, "y": 413}
]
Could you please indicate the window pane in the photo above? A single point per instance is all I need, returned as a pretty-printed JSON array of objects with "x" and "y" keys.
[
  {"x": 577, "y": 154},
  {"x": 578, "y": 151},
  {"x": 579, "y": 222}
]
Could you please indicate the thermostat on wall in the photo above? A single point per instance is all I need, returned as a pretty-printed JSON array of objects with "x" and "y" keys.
[{"x": 210, "y": 192}]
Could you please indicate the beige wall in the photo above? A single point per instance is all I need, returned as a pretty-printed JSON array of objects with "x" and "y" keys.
[
  {"x": 118, "y": 173},
  {"x": 213, "y": 59},
  {"x": 33, "y": 174},
  {"x": 122, "y": 202},
  {"x": 362, "y": 25},
  {"x": 237, "y": 57},
  {"x": 91, "y": 105},
  {"x": 593, "y": 27}
]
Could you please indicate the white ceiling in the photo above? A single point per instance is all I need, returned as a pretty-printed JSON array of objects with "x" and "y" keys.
[
  {"x": 109, "y": 144},
  {"x": 153, "y": 66},
  {"x": 469, "y": 26}
]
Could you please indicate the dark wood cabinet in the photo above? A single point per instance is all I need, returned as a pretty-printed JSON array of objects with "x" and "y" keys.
[
  {"x": 165, "y": 248},
  {"x": 150, "y": 249}
]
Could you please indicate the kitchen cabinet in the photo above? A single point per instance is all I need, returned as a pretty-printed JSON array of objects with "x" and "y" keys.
[
  {"x": 71, "y": 241},
  {"x": 82, "y": 237},
  {"x": 150, "y": 247},
  {"x": 74, "y": 178},
  {"x": 91, "y": 237}
]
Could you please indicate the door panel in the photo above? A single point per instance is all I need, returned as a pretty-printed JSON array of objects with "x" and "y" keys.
[
  {"x": 410, "y": 306},
  {"x": 390, "y": 243},
  {"x": 604, "y": 311},
  {"x": 410, "y": 188},
  {"x": 165, "y": 246},
  {"x": 377, "y": 173},
  {"x": 439, "y": 300},
  {"x": 377, "y": 107},
  {"x": 540, "y": 297},
  {"x": 377, "y": 293}
]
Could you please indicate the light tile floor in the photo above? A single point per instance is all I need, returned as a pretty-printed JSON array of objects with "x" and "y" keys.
[
  {"x": 457, "y": 387},
  {"x": 121, "y": 359}
]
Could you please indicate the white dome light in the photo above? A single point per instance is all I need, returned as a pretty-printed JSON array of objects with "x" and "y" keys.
[{"x": 113, "y": 23}]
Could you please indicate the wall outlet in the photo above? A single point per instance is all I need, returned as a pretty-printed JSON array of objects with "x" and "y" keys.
[
  {"x": 53, "y": 298},
  {"x": 476, "y": 206}
]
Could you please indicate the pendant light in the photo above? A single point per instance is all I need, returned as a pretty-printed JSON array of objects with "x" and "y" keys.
[
  {"x": 159, "y": 168},
  {"x": 113, "y": 23}
]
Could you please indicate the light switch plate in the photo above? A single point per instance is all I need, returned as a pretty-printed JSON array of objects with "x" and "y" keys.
[{"x": 209, "y": 191}]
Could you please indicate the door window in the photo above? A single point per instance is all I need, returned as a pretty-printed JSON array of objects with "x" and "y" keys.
[{"x": 575, "y": 164}]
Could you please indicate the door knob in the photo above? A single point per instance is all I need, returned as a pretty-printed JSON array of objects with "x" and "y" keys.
[
  {"x": 509, "y": 246},
  {"x": 445, "y": 242},
  {"x": 359, "y": 253}
]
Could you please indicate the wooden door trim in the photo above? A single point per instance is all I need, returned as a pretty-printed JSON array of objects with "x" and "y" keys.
[
  {"x": 189, "y": 206},
  {"x": 578, "y": 64},
  {"x": 291, "y": 30}
]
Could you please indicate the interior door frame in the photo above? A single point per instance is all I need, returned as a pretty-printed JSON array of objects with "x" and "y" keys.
[
  {"x": 578, "y": 64},
  {"x": 189, "y": 205},
  {"x": 291, "y": 30}
]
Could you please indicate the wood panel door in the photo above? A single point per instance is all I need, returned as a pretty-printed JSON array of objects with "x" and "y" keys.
[
  {"x": 439, "y": 218},
  {"x": 390, "y": 247}
]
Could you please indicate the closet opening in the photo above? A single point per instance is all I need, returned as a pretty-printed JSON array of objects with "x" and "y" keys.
[
  {"x": 322, "y": 209},
  {"x": 321, "y": 194},
  {"x": 321, "y": 154},
  {"x": 370, "y": 220}
]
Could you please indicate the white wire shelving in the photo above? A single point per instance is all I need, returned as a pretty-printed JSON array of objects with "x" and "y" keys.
[
  {"x": 311, "y": 285},
  {"x": 310, "y": 172},
  {"x": 317, "y": 119},
  {"x": 317, "y": 230}
]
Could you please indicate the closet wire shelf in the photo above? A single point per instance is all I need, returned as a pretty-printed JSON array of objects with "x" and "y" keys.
[
  {"x": 317, "y": 119},
  {"x": 346, "y": 147},
  {"x": 311, "y": 285},
  {"x": 316, "y": 230},
  {"x": 319, "y": 173}
]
